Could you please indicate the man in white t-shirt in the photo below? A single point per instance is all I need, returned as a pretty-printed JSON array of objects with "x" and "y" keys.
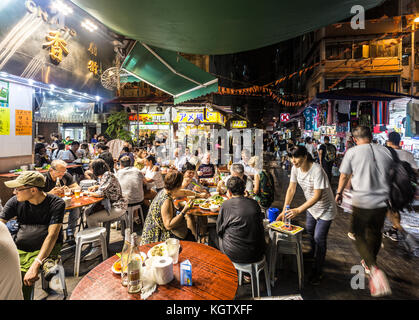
[
  {"x": 320, "y": 206},
  {"x": 71, "y": 154},
  {"x": 10, "y": 276},
  {"x": 393, "y": 141},
  {"x": 310, "y": 146},
  {"x": 367, "y": 165}
]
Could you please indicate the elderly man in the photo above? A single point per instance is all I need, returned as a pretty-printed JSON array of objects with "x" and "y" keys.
[
  {"x": 40, "y": 217},
  {"x": 131, "y": 180},
  {"x": 206, "y": 169},
  {"x": 57, "y": 181},
  {"x": 239, "y": 225},
  {"x": 236, "y": 170}
]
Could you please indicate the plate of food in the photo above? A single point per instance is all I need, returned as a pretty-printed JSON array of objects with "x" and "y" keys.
[
  {"x": 197, "y": 202},
  {"x": 206, "y": 205},
  {"x": 217, "y": 200},
  {"x": 159, "y": 250}
]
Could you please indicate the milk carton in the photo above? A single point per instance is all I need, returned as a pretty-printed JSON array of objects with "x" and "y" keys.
[{"x": 186, "y": 273}]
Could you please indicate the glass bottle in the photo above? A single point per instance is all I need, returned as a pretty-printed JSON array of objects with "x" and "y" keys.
[
  {"x": 124, "y": 257},
  {"x": 134, "y": 266}
]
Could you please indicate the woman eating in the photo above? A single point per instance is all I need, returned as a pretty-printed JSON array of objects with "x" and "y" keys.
[
  {"x": 162, "y": 222},
  {"x": 320, "y": 205}
]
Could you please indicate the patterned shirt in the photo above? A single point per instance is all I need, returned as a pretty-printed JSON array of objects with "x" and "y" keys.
[{"x": 110, "y": 188}]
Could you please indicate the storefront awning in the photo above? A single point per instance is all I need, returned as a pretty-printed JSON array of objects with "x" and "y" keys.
[
  {"x": 218, "y": 26},
  {"x": 169, "y": 72}
]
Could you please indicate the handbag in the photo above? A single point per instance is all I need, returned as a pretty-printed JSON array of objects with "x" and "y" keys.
[{"x": 30, "y": 237}]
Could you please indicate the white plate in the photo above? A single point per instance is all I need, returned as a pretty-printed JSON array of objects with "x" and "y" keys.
[{"x": 165, "y": 251}]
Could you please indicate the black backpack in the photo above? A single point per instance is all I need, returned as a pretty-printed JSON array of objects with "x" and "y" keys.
[{"x": 403, "y": 183}]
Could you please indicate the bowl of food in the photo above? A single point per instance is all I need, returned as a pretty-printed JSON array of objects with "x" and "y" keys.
[
  {"x": 214, "y": 207},
  {"x": 205, "y": 205},
  {"x": 116, "y": 267}
]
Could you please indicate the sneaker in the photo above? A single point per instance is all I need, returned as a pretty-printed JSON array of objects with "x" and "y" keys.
[
  {"x": 391, "y": 234},
  {"x": 114, "y": 225},
  {"x": 379, "y": 285},
  {"x": 351, "y": 236},
  {"x": 364, "y": 265},
  {"x": 94, "y": 253},
  {"x": 137, "y": 220},
  {"x": 49, "y": 268}
]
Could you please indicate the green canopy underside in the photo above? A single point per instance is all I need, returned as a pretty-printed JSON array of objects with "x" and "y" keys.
[
  {"x": 218, "y": 26},
  {"x": 169, "y": 72}
]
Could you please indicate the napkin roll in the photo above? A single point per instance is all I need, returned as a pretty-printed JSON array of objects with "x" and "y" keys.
[{"x": 163, "y": 270}]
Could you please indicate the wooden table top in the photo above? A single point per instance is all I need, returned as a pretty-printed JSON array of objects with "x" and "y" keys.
[
  {"x": 213, "y": 278},
  {"x": 82, "y": 202}
]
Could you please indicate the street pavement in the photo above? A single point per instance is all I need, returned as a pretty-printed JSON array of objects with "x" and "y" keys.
[{"x": 400, "y": 267}]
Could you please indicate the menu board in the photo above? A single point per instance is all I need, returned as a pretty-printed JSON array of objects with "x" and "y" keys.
[
  {"x": 23, "y": 122},
  {"x": 4, "y": 121}
]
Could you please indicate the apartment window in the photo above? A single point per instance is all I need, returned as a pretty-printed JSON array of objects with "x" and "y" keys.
[{"x": 337, "y": 51}]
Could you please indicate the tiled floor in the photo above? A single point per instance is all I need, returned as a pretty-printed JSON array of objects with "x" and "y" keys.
[{"x": 400, "y": 267}]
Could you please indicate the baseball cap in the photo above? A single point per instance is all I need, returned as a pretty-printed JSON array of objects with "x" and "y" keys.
[{"x": 28, "y": 178}]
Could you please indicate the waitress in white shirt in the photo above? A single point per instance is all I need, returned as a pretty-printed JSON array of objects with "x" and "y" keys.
[
  {"x": 152, "y": 174},
  {"x": 320, "y": 205}
]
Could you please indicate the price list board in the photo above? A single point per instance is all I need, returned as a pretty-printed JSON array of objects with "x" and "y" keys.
[{"x": 23, "y": 122}]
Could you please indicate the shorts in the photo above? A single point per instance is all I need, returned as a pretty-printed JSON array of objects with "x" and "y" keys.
[{"x": 284, "y": 153}]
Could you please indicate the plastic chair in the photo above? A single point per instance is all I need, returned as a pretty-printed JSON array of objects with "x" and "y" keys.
[
  {"x": 253, "y": 269},
  {"x": 286, "y": 244},
  {"x": 130, "y": 211},
  {"x": 89, "y": 235}
]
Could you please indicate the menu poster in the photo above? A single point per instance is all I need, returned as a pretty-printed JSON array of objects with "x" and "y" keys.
[
  {"x": 4, "y": 121},
  {"x": 23, "y": 122},
  {"x": 4, "y": 94}
]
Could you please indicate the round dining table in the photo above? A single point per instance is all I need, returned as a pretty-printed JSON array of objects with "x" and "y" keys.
[{"x": 213, "y": 278}]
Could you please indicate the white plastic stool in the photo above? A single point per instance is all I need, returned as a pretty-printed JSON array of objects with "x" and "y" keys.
[
  {"x": 131, "y": 210},
  {"x": 89, "y": 235},
  {"x": 286, "y": 244},
  {"x": 253, "y": 269}
]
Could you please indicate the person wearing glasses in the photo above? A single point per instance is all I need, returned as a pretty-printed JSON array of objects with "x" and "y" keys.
[
  {"x": 57, "y": 182},
  {"x": 40, "y": 218}
]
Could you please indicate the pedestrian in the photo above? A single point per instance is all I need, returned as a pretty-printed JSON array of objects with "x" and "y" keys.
[
  {"x": 319, "y": 206},
  {"x": 394, "y": 142},
  {"x": 367, "y": 164},
  {"x": 327, "y": 156}
]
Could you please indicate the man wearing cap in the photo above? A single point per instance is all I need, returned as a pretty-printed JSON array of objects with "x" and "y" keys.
[{"x": 40, "y": 217}]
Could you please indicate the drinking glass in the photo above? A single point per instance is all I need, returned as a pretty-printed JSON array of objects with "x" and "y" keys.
[
  {"x": 77, "y": 192},
  {"x": 67, "y": 193},
  {"x": 173, "y": 246}
]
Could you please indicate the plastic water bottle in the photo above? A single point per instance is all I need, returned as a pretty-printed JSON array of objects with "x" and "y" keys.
[{"x": 287, "y": 220}]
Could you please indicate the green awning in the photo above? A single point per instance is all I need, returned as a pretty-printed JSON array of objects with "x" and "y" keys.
[
  {"x": 169, "y": 72},
  {"x": 218, "y": 26}
]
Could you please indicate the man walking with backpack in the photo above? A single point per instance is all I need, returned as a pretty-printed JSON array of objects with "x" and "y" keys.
[
  {"x": 394, "y": 215},
  {"x": 368, "y": 165},
  {"x": 327, "y": 156}
]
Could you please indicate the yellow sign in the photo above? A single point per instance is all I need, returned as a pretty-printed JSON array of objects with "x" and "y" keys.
[
  {"x": 4, "y": 121},
  {"x": 92, "y": 65},
  {"x": 238, "y": 124},
  {"x": 57, "y": 46},
  {"x": 189, "y": 117},
  {"x": 23, "y": 122}
]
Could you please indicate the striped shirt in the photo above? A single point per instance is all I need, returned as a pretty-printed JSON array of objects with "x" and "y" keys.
[{"x": 315, "y": 179}]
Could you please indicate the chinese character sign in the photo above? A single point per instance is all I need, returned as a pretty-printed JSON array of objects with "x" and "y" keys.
[
  {"x": 238, "y": 124},
  {"x": 57, "y": 46},
  {"x": 23, "y": 122},
  {"x": 92, "y": 65}
]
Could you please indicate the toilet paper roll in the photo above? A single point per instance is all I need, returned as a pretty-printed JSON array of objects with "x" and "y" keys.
[{"x": 163, "y": 270}]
